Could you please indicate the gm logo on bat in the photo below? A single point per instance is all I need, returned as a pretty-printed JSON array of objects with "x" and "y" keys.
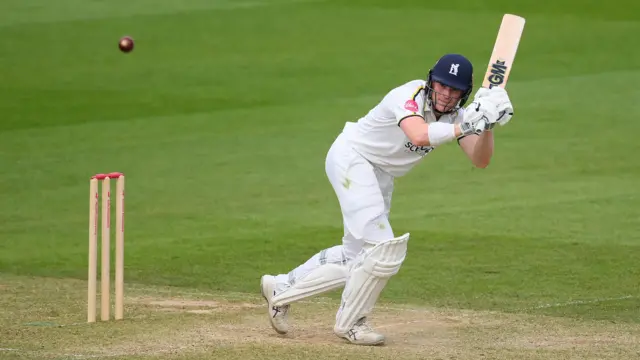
[{"x": 498, "y": 71}]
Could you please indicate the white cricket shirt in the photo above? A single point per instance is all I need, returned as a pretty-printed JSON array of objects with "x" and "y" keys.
[{"x": 377, "y": 136}]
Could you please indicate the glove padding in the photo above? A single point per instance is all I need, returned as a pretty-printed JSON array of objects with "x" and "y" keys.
[
  {"x": 500, "y": 98},
  {"x": 480, "y": 115}
]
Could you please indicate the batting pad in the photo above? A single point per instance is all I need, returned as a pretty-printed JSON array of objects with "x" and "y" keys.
[
  {"x": 368, "y": 277},
  {"x": 322, "y": 279}
]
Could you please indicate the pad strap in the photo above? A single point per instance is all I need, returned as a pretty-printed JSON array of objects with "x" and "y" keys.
[{"x": 325, "y": 278}]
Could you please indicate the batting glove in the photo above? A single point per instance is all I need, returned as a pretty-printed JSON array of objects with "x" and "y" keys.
[
  {"x": 479, "y": 116},
  {"x": 500, "y": 98}
]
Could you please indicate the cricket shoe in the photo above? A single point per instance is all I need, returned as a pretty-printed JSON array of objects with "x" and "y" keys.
[
  {"x": 362, "y": 334},
  {"x": 277, "y": 314}
]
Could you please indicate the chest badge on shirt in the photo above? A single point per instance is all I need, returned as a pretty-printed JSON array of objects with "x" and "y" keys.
[{"x": 420, "y": 150}]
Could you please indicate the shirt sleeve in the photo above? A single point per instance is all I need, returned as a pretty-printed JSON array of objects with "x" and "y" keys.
[{"x": 405, "y": 101}]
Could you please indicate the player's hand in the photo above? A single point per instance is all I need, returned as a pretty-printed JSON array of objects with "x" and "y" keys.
[
  {"x": 480, "y": 115},
  {"x": 505, "y": 112},
  {"x": 500, "y": 98}
]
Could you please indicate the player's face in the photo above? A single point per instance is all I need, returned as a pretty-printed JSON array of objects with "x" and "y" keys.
[{"x": 444, "y": 97}]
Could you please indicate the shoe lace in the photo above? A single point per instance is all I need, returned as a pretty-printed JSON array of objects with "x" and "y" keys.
[
  {"x": 280, "y": 309},
  {"x": 362, "y": 325}
]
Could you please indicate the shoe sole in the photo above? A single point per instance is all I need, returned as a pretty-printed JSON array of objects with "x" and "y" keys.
[
  {"x": 377, "y": 343},
  {"x": 269, "y": 307}
]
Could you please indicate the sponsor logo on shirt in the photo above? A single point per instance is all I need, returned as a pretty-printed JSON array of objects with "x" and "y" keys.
[
  {"x": 420, "y": 150},
  {"x": 411, "y": 105}
]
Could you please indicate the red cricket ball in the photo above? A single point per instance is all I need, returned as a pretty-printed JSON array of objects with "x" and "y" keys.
[{"x": 126, "y": 44}]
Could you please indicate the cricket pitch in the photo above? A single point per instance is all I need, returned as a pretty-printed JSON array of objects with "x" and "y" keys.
[{"x": 44, "y": 318}]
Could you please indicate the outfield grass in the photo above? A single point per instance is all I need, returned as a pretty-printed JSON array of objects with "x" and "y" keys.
[{"x": 222, "y": 115}]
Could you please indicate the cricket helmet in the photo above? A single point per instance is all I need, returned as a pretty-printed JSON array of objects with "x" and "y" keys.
[{"x": 453, "y": 70}]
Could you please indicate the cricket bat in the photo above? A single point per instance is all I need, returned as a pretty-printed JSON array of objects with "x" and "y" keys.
[{"x": 504, "y": 51}]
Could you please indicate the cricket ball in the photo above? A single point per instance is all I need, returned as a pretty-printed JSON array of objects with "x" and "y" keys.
[{"x": 125, "y": 44}]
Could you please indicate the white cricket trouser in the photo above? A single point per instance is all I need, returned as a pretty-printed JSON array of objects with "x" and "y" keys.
[{"x": 364, "y": 193}]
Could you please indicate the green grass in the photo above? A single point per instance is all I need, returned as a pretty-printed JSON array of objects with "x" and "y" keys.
[{"x": 222, "y": 115}]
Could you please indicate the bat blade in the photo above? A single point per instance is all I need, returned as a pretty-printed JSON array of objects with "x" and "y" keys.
[{"x": 504, "y": 51}]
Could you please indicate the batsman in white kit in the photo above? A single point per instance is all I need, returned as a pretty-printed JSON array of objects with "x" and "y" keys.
[{"x": 412, "y": 120}]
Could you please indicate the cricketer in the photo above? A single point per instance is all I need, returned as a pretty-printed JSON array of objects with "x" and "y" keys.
[{"x": 408, "y": 123}]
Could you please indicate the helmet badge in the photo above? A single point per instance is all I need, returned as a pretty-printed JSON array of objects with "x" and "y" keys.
[{"x": 454, "y": 69}]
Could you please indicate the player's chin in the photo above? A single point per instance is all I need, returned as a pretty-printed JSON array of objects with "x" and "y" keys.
[{"x": 443, "y": 108}]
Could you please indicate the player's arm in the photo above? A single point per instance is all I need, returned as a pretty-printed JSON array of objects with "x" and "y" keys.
[
  {"x": 493, "y": 105},
  {"x": 479, "y": 148},
  {"x": 422, "y": 134},
  {"x": 407, "y": 112}
]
